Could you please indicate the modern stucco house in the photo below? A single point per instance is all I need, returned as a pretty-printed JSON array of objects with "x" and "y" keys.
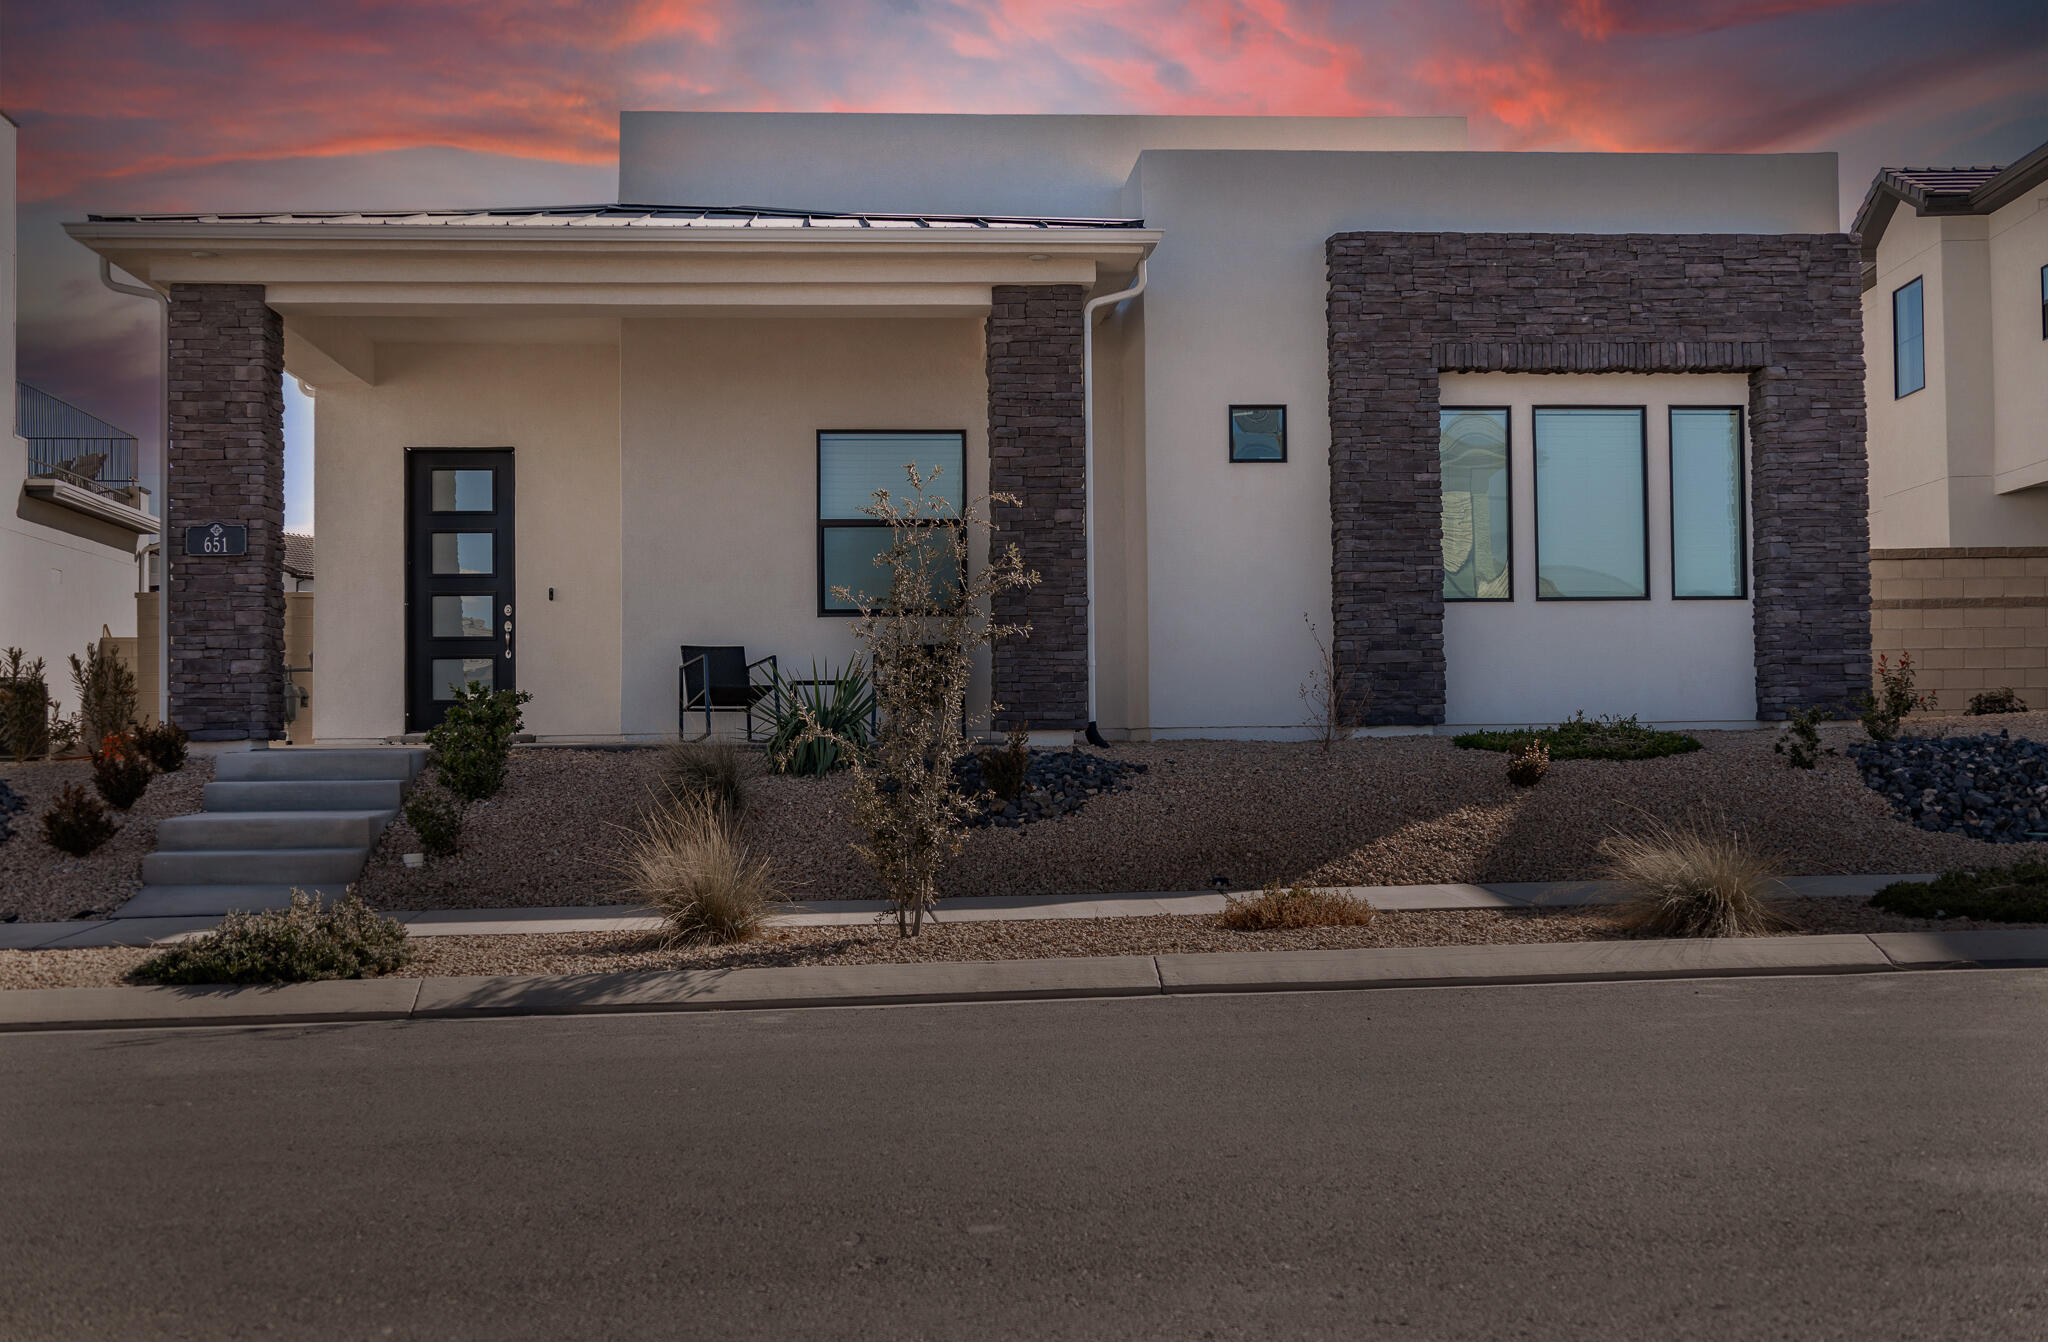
[
  {"x": 74, "y": 512},
  {"x": 1955, "y": 318},
  {"x": 1521, "y": 434}
]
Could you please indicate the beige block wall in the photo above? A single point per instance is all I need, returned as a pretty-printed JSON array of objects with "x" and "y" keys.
[{"x": 1973, "y": 618}]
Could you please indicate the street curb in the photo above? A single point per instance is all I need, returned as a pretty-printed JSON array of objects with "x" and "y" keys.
[{"x": 33, "y": 1009}]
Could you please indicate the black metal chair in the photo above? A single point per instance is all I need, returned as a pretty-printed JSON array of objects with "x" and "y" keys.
[{"x": 721, "y": 680}]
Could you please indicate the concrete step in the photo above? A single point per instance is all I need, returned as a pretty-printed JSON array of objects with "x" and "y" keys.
[
  {"x": 255, "y": 866},
  {"x": 308, "y": 765},
  {"x": 191, "y": 901},
  {"x": 317, "y": 794},
  {"x": 216, "y": 830}
]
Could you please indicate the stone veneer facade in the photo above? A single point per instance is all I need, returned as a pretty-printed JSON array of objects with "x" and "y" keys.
[
  {"x": 1786, "y": 309},
  {"x": 1036, "y": 452},
  {"x": 1974, "y": 618},
  {"x": 227, "y": 465}
]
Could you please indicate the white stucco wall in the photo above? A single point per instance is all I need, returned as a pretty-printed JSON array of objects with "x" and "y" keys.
[
  {"x": 953, "y": 164},
  {"x": 1236, "y": 553},
  {"x": 557, "y": 407},
  {"x": 1530, "y": 661},
  {"x": 719, "y": 477},
  {"x": 63, "y": 576}
]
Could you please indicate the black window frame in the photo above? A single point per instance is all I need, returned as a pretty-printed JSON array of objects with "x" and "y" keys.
[
  {"x": 2044, "y": 302},
  {"x": 825, "y": 611},
  {"x": 1507, "y": 413},
  {"x": 1536, "y": 496},
  {"x": 1230, "y": 443},
  {"x": 1741, "y": 496},
  {"x": 1914, "y": 283}
]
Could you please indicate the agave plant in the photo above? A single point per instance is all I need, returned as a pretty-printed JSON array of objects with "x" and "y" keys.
[{"x": 842, "y": 705}]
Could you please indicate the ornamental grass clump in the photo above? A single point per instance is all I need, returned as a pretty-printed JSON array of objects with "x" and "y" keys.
[
  {"x": 919, "y": 639},
  {"x": 1277, "y": 908},
  {"x": 689, "y": 863},
  {"x": 712, "y": 771},
  {"x": 1695, "y": 880},
  {"x": 300, "y": 944}
]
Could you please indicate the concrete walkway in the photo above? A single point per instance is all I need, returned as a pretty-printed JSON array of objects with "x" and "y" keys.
[
  {"x": 852, "y": 912},
  {"x": 1015, "y": 980}
]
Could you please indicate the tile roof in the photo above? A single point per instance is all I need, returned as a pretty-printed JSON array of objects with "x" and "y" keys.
[
  {"x": 298, "y": 554},
  {"x": 625, "y": 216},
  {"x": 1978, "y": 190}
]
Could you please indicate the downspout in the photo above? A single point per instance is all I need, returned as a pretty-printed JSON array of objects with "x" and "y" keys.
[
  {"x": 163, "y": 496},
  {"x": 1088, "y": 311}
]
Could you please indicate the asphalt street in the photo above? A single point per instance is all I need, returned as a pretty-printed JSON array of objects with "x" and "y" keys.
[{"x": 1853, "y": 1157}]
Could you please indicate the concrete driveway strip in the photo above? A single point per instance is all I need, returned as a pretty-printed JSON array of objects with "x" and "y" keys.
[
  {"x": 116, "y": 1008},
  {"x": 809, "y": 985},
  {"x": 1548, "y": 962}
]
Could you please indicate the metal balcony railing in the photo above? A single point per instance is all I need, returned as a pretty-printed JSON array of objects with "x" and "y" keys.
[{"x": 66, "y": 443}]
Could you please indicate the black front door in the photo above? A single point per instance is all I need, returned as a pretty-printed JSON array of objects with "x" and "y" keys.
[{"x": 458, "y": 578}]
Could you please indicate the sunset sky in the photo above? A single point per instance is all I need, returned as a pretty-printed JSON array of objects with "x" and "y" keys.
[{"x": 271, "y": 104}]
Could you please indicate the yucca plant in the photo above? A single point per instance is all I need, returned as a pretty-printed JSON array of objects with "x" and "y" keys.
[{"x": 819, "y": 722}]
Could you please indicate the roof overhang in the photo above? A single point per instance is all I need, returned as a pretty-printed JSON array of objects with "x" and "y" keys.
[{"x": 1891, "y": 188}]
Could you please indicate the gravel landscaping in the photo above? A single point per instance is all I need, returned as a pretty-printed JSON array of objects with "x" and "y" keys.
[
  {"x": 584, "y": 953},
  {"x": 40, "y": 884},
  {"x": 1379, "y": 811}
]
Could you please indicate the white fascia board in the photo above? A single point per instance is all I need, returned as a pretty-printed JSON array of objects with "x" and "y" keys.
[{"x": 93, "y": 504}]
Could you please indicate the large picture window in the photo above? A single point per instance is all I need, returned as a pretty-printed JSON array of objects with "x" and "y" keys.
[
  {"x": 1706, "y": 502},
  {"x": 1477, "y": 533},
  {"x": 1909, "y": 340},
  {"x": 851, "y": 468},
  {"x": 1592, "y": 535}
]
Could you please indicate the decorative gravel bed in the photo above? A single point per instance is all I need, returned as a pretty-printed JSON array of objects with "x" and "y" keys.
[
  {"x": 40, "y": 884},
  {"x": 1379, "y": 811},
  {"x": 584, "y": 953},
  {"x": 1056, "y": 783},
  {"x": 1990, "y": 787}
]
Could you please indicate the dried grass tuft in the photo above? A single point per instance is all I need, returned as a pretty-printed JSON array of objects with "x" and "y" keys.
[
  {"x": 689, "y": 863},
  {"x": 1695, "y": 880},
  {"x": 1275, "y": 909},
  {"x": 715, "y": 771}
]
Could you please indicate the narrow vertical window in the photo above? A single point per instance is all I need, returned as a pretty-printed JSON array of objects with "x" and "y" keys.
[
  {"x": 1473, "y": 447},
  {"x": 1592, "y": 531},
  {"x": 851, "y": 468},
  {"x": 1706, "y": 502},
  {"x": 2044, "y": 302},
  {"x": 1909, "y": 341}
]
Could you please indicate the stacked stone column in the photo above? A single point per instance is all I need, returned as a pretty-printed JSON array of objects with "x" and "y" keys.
[
  {"x": 1036, "y": 451},
  {"x": 226, "y": 624}
]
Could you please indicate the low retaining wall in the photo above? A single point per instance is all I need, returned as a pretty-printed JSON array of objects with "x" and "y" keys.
[{"x": 1974, "y": 618}]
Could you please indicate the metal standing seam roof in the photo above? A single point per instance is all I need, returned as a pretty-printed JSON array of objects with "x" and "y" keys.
[{"x": 624, "y": 216}]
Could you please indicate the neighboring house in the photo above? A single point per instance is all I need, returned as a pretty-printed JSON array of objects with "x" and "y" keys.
[
  {"x": 74, "y": 511},
  {"x": 1955, "y": 321},
  {"x": 298, "y": 562},
  {"x": 1519, "y": 434}
]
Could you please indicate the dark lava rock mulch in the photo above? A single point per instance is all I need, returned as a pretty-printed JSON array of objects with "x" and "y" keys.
[
  {"x": 1057, "y": 783},
  {"x": 12, "y": 803},
  {"x": 1993, "y": 788}
]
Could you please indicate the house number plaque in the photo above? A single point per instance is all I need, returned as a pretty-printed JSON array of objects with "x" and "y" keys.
[{"x": 217, "y": 539}]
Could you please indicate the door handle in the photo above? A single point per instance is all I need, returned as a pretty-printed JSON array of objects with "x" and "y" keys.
[{"x": 508, "y": 631}]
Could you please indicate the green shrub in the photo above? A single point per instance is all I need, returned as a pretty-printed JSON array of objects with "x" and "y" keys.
[
  {"x": 164, "y": 745},
  {"x": 472, "y": 745},
  {"x": 1800, "y": 743},
  {"x": 714, "y": 771},
  {"x": 1276, "y": 908},
  {"x": 1881, "y": 714},
  {"x": 1005, "y": 769},
  {"x": 1996, "y": 701},
  {"x": 25, "y": 707},
  {"x": 689, "y": 864},
  {"x": 1695, "y": 880},
  {"x": 76, "y": 822},
  {"x": 1583, "y": 738},
  {"x": 2012, "y": 894},
  {"x": 106, "y": 694},
  {"x": 120, "y": 771},
  {"x": 818, "y": 722},
  {"x": 436, "y": 817},
  {"x": 308, "y": 941},
  {"x": 1527, "y": 766}
]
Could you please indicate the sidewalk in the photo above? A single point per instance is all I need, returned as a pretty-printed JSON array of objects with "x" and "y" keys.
[
  {"x": 1015, "y": 980},
  {"x": 847, "y": 912}
]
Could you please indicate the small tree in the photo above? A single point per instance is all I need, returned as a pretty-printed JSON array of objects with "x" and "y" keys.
[{"x": 919, "y": 641}]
